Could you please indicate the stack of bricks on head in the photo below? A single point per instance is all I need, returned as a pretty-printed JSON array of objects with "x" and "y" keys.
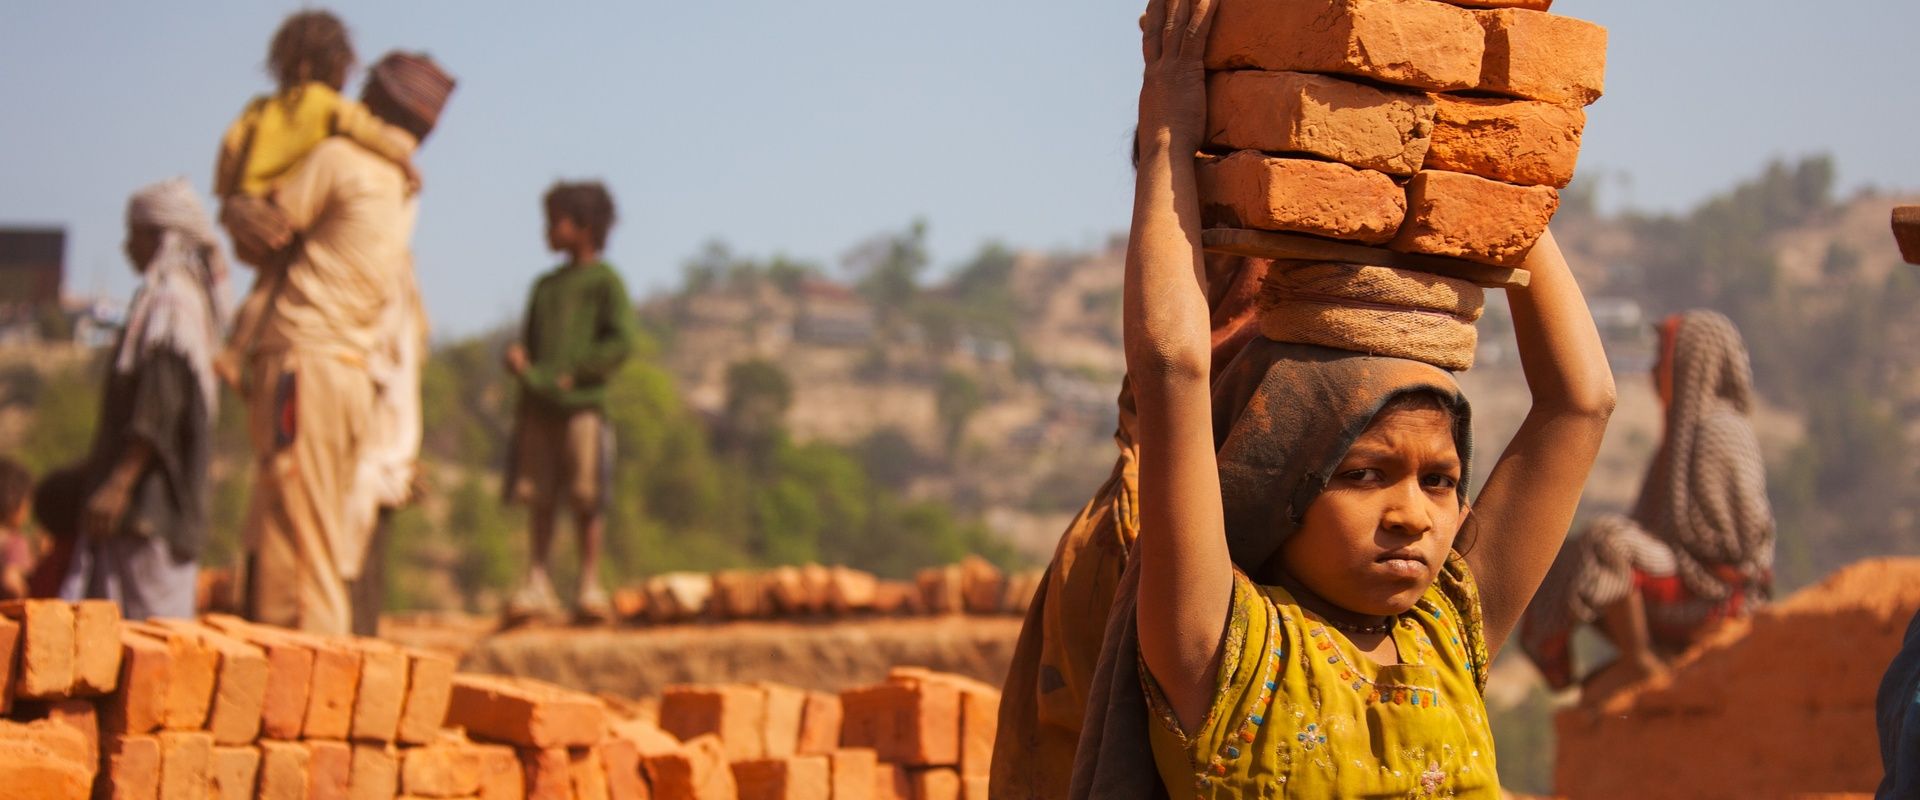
[
  {"x": 223, "y": 709},
  {"x": 1442, "y": 128}
]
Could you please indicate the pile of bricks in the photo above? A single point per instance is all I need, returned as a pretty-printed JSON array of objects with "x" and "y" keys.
[
  {"x": 973, "y": 586},
  {"x": 1436, "y": 127},
  {"x": 920, "y": 735},
  {"x": 222, "y": 709}
]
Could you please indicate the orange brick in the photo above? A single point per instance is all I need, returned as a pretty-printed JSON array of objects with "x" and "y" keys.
[
  {"x": 797, "y": 778},
  {"x": 855, "y": 773},
  {"x": 186, "y": 764},
  {"x": 678, "y": 596},
  {"x": 696, "y": 771},
  {"x": 382, "y": 692},
  {"x": 549, "y": 773},
  {"x": 630, "y": 602},
  {"x": 784, "y": 708},
  {"x": 9, "y": 652},
  {"x": 587, "y": 772},
  {"x": 284, "y": 770},
  {"x": 851, "y": 591},
  {"x": 981, "y": 585},
  {"x": 819, "y": 724},
  {"x": 898, "y": 598},
  {"x": 974, "y": 787},
  {"x": 1339, "y": 120},
  {"x": 979, "y": 715},
  {"x": 1513, "y": 141},
  {"x": 429, "y": 688},
  {"x": 283, "y": 711},
  {"x": 1542, "y": 56},
  {"x": 1021, "y": 589},
  {"x": 376, "y": 772},
  {"x": 236, "y": 772},
  {"x": 817, "y": 581},
  {"x": 734, "y": 713},
  {"x": 934, "y": 783},
  {"x": 132, "y": 766},
  {"x": 626, "y": 778},
  {"x": 329, "y": 769},
  {"x": 890, "y": 783},
  {"x": 46, "y": 652},
  {"x": 1466, "y": 216},
  {"x": 96, "y": 647},
  {"x": 336, "y": 681},
  {"x": 146, "y": 671},
  {"x": 648, "y": 739},
  {"x": 501, "y": 776},
  {"x": 240, "y": 682},
  {"x": 1407, "y": 42},
  {"x": 737, "y": 594},
  {"x": 43, "y": 765},
  {"x": 787, "y": 587},
  {"x": 941, "y": 589},
  {"x": 77, "y": 715},
  {"x": 195, "y": 670},
  {"x": 525, "y": 712},
  {"x": 913, "y": 724},
  {"x": 1251, "y": 190},
  {"x": 442, "y": 769}
]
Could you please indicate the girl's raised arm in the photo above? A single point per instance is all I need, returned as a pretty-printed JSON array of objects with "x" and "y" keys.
[
  {"x": 1186, "y": 573},
  {"x": 1522, "y": 514}
]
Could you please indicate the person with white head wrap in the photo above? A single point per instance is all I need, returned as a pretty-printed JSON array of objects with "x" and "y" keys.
[{"x": 145, "y": 521}]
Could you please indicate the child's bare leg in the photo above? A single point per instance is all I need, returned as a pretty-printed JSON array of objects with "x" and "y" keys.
[
  {"x": 536, "y": 593},
  {"x": 1625, "y": 624},
  {"x": 591, "y": 601}
]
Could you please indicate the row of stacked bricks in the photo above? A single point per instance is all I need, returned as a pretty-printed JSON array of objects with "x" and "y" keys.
[
  {"x": 1437, "y": 127},
  {"x": 973, "y": 586},
  {"x": 223, "y": 709},
  {"x": 918, "y": 735}
]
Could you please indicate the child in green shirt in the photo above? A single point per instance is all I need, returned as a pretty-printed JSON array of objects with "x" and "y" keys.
[{"x": 579, "y": 329}]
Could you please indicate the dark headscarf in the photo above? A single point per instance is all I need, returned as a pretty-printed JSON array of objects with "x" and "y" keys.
[
  {"x": 412, "y": 85},
  {"x": 1284, "y": 417}
]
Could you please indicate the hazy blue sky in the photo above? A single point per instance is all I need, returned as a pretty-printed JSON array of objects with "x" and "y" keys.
[{"x": 805, "y": 127}]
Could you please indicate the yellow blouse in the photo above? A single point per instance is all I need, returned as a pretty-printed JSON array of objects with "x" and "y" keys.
[
  {"x": 1301, "y": 713},
  {"x": 274, "y": 133}
]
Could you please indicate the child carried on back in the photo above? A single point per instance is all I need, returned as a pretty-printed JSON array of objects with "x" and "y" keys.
[{"x": 1313, "y": 601}]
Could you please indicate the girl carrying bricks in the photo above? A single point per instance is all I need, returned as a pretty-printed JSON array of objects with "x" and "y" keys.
[{"x": 1312, "y": 603}]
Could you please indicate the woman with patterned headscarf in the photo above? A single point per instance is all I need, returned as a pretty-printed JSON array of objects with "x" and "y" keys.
[
  {"x": 145, "y": 519},
  {"x": 1698, "y": 547}
]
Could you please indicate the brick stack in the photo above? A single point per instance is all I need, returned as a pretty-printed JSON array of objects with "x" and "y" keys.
[
  {"x": 933, "y": 733},
  {"x": 920, "y": 735},
  {"x": 812, "y": 591},
  {"x": 1441, "y": 128},
  {"x": 224, "y": 709}
]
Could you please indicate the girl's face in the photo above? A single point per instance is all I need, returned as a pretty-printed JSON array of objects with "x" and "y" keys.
[{"x": 1377, "y": 537}]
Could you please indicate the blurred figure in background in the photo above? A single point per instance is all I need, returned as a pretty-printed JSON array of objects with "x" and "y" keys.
[
  {"x": 579, "y": 330},
  {"x": 1698, "y": 547},
  {"x": 144, "y": 522},
  {"x": 16, "y": 506},
  {"x": 337, "y": 229}
]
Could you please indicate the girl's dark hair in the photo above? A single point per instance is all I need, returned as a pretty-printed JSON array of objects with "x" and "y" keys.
[
  {"x": 587, "y": 203},
  {"x": 310, "y": 46},
  {"x": 16, "y": 485}
]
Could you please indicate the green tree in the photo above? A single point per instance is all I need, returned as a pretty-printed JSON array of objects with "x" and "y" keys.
[{"x": 956, "y": 400}]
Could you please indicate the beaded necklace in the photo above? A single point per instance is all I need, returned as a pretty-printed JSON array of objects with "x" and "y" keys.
[{"x": 1376, "y": 691}]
